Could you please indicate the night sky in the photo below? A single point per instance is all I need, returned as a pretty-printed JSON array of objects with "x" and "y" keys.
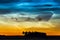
[
  {"x": 11, "y": 11},
  {"x": 8, "y": 6}
]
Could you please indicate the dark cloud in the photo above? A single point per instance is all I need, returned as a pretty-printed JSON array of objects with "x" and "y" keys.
[
  {"x": 8, "y": 1},
  {"x": 7, "y": 11}
]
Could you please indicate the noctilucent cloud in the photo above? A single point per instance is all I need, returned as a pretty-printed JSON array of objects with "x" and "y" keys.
[{"x": 6, "y": 4}]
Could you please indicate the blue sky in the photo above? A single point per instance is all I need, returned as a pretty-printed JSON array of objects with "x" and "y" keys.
[
  {"x": 5, "y": 4},
  {"x": 25, "y": 5}
]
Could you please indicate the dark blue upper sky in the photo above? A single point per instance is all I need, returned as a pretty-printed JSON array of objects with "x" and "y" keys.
[
  {"x": 5, "y": 5},
  {"x": 10, "y": 1},
  {"x": 22, "y": 4},
  {"x": 14, "y": 2}
]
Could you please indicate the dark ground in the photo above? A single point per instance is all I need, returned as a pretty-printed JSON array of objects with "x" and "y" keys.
[{"x": 30, "y": 36}]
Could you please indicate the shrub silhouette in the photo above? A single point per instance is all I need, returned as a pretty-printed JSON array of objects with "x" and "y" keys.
[{"x": 34, "y": 34}]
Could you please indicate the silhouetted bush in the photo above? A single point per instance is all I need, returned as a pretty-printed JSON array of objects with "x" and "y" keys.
[{"x": 34, "y": 34}]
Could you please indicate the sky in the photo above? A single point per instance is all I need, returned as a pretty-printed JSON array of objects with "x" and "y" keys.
[
  {"x": 7, "y": 4},
  {"x": 29, "y": 7}
]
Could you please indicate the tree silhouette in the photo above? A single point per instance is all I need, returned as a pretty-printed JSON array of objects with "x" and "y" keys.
[{"x": 34, "y": 34}]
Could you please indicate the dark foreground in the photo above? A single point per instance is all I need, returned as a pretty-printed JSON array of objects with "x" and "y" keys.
[{"x": 30, "y": 36}]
